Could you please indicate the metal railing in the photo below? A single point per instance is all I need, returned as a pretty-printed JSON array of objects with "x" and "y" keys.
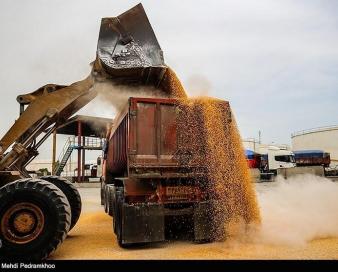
[
  {"x": 93, "y": 142},
  {"x": 89, "y": 142},
  {"x": 312, "y": 130},
  {"x": 69, "y": 167},
  {"x": 70, "y": 142}
]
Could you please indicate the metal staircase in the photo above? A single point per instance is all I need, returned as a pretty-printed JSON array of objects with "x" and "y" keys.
[
  {"x": 88, "y": 143},
  {"x": 64, "y": 156}
]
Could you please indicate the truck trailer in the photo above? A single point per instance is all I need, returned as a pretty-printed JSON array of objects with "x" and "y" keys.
[
  {"x": 312, "y": 158},
  {"x": 144, "y": 181}
]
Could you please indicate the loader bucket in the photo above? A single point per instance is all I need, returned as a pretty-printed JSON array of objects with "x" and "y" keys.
[{"x": 128, "y": 51}]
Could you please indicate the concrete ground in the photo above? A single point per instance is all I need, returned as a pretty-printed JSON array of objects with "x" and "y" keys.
[{"x": 93, "y": 238}]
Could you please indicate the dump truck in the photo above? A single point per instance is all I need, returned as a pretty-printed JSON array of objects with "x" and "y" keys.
[
  {"x": 150, "y": 177},
  {"x": 37, "y": 214}
]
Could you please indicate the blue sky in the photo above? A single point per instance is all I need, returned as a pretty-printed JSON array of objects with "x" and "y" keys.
[{"x": 275, "y": 61}]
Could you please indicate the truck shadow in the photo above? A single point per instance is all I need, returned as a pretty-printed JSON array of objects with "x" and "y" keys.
[{"x": 177, "y": 229}]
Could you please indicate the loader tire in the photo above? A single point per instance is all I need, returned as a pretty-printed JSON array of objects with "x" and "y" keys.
[
  {"x": 72, "y": 195},
  {"x": 34, "y": 219}
]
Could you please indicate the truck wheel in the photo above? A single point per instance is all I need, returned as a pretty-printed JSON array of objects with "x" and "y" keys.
[
  {"x": 34, "y": 219},
  {"x": 71, "y": 193}
]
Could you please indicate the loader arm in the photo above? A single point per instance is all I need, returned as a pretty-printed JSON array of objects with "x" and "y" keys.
[{"x": 47, "y": 107}]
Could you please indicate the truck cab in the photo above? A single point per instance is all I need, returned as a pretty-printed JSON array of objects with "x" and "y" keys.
[{"x": 275, "y": 158}]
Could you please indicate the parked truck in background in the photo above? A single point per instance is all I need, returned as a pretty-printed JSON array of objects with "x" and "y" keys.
[
  {"x": 312, "y": 158},
  {"x": 274, "y": 159},
  {"x": 290, "y": 163},
  {"x": 253, "y": 158}
]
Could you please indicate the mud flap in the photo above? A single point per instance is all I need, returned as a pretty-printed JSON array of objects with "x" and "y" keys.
[
  {"x": 142, "y": 223},
  {"x": 111, "y": 200},
  {"x": 202, "y": 222}
]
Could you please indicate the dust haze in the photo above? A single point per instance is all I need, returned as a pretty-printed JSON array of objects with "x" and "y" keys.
[
  {"x": 298, "y": 210},
  {"x": 111, "y": 98},
  {"x": 198, "y": 85}
]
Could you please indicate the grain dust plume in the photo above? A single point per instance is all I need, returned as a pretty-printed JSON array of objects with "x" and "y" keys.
[
  {"x": 198, "y": 85},
  {"x": 298, "y": 210},
  {"x": 118, "y": 95}
]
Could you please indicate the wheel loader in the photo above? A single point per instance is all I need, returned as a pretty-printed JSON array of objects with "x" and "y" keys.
[{"x": 37, "y": 214}]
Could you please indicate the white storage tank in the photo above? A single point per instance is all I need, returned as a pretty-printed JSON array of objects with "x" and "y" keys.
[{"x": 323, "y": 138}]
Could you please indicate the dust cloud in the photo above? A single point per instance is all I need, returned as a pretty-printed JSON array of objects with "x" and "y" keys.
[
  {"x": 112, "y": 98},
  {"x": 117, "y": 95},
  {"x": 298, "y": 210},
  {"x": 198, "y": 85}
]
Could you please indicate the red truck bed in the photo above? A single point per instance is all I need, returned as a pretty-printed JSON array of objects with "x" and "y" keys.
[{"x": 143, "y": 141}]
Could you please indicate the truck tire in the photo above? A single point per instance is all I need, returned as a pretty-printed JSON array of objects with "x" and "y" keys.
[
  {"x": 34, "y": 219},
  {"x": 102, "y": 192},
  {"x": 72, "y": 195},
  {"x": 105, "y": 204},
  {"x": 115, "y": 211},
  {"x": 110, "y": 201},
  {"x": 118, "y": 222}
]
